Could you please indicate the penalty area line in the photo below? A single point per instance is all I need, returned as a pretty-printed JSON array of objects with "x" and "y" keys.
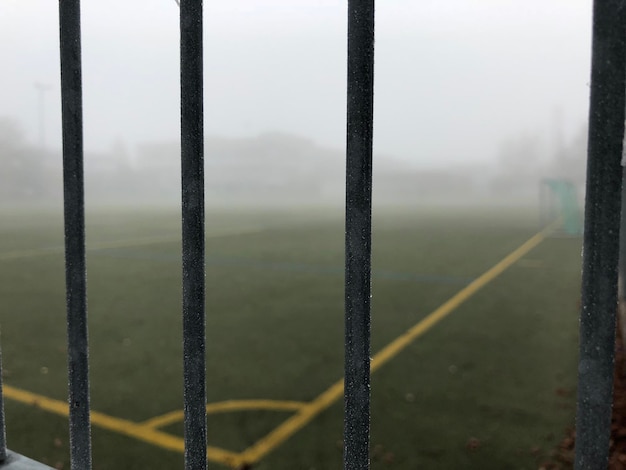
[{"x": 306, "y": 414}]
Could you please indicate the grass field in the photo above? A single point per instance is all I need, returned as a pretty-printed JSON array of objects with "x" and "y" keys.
[{"x": 489, "y": 386}]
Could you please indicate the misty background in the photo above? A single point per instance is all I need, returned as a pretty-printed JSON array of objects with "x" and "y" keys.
[{"x": 474, "y": 101}]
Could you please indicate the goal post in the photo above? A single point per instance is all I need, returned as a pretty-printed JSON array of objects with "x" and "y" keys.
[{"x": 558, "y": 199}]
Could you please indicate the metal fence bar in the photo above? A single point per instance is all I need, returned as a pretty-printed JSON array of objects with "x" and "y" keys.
[
  {"x": 358, "y": 232},
  {"x": 74, "y": 213},
  {"x": 601, "y": 236},
  {"x": 3, "y": 435},
  {"x": 192, "y": 158}
]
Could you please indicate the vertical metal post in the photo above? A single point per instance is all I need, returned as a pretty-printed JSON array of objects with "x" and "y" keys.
[
  {"x": 358, "y": 232},
  {"x": 601, "y": 236},
  {"x": 192, "y": 158},
  {"x": 3, "y": 435},
  {"x": 74, "y": 213}
]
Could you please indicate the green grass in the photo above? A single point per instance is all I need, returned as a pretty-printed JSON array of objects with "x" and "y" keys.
[{"x": 495, "y": 371}]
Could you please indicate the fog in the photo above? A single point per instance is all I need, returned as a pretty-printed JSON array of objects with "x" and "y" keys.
[
  {"x": 474, "y": 101},
  {"x": 477, "y": 103}
]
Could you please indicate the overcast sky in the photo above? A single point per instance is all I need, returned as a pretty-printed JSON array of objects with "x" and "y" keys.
[{"x": 453, "y": 78}]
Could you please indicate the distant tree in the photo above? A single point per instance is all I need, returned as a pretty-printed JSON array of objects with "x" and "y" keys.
[
  {"x": 570, "y": 161},
  {"x": 521, "y": 163},
  {"x": 21, "y": 175},
  {"x": 521, "y": 155}
]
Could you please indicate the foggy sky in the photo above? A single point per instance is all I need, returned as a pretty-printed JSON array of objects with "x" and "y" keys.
[{"x": 453, "y": 79}]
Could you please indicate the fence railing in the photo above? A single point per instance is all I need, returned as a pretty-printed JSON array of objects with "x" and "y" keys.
[{"x": 601, "y": 235}]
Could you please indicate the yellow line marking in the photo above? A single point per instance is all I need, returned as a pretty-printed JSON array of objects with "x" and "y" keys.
[
  {"x": 293, "y": 424},
  {"x": 166, "y": 239},
  {"x": 121, "y": 426},
  {"x": 126, "y": 243},
  {"x": 225, "y": 407}
]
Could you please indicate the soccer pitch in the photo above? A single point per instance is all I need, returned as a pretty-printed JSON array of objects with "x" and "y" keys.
[{"x": 487, "y": 384}]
